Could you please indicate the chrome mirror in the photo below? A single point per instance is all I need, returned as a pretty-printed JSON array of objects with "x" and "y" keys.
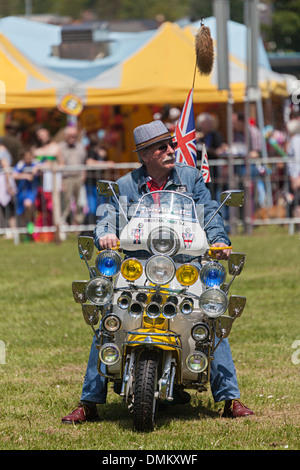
[
  {"x": 78, "y": 291},
  {"x": 107, "y": 188},
  {"x": 236, "y": 262},
  {"x": 90, "y": 314},
  {"x": 234, "y": 198},
  {"x": 224, "y": 326},
  {"x": 86, "y": 247},
  {"x": 236, "y": 305}
]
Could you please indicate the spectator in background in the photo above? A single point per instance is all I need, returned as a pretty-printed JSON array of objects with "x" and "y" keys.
[
  {"x": 207, "y": 133},
  {"x": 48, "y": 154},
  {"x": 7, "y": 191},
  {"x": 97, "y": 155},
  {"x": 12, "y": 141},
  {"x": 293, "y": 151},
  {"x": 172, "y": 119},
  {"x": 239, "y": 136},
  {"x": 73, "y": 153},
  {"x": 27, "y": 181},
  {"x": 239, "y": 149}
]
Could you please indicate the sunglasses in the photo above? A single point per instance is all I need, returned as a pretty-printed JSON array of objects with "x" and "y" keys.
[{"x": 163, "y": 148}]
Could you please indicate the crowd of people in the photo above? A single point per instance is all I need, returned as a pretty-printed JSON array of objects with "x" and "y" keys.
[
  {"x": 27, "y": 171},
  {"x": 274, "y": 189},
  {"x": 30, "y": 172}
]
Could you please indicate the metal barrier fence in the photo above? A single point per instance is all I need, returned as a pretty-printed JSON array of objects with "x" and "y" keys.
[{"x": 268, "y": 198}]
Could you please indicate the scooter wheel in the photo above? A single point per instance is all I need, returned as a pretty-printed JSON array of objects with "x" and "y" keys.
[{"x": 145, "y": 403}]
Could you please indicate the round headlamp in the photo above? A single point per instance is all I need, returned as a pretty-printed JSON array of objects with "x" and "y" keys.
[
  {"x": 108, "y": 263},
  {"x": 163, "y": 241},
  {"x": 112, "y": 323},
  {"x": 196, "y": 362},
  {"x": 213, "y": 302},
  {"x": 187, "y": 274},
  {"x": 200, "y": 332},
  {"x": 99, "y": 291},
  {"x": 212, "y": 274},
  {"x": 131, "y": 269},
  {"x": 160, "y": 269},
  {"x": 109, "y": 354}
]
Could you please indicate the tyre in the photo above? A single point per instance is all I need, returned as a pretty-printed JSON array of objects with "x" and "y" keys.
[{"x": 145, "y": 386}]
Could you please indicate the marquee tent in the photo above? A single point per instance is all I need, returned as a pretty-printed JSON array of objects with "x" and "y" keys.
[
  {"x": 153, "y": 67},
  {"x": 23, "y": 84},
  {"x": 36, "y": 41},
  {"x": 161, "y": 71}
]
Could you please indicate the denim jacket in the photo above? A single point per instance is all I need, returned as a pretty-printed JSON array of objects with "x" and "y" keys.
[{"x": 132, "y": 186}]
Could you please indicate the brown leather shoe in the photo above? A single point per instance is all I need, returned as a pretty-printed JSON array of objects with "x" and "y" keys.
[
  {"x": 235, "y": 409},
  {"x": 82, "y": 413}
]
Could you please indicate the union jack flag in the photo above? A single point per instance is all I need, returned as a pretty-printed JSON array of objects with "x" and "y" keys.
[
  {"x": 185, "y": 134},
  {"x": 204, "y": 166}
]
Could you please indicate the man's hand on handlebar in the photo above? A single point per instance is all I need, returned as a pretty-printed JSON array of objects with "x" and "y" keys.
[
  {"x": 222, "y": 253},
  {"x": 108, "y": 241}
]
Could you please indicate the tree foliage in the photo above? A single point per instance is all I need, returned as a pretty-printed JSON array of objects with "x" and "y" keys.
[
  {"x": 285, "y": 27},
  {"x": 284, "y": 30}
]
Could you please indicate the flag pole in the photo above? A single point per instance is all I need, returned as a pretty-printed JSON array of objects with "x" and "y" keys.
[
  {"x": 204, "y": 62},
  {"x": 185, "y": 134}
]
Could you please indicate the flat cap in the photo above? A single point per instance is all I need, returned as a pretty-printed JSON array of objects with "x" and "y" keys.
[{"x": 149, "y": 134}]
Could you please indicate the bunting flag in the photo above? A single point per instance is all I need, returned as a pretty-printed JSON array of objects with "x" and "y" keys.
[
  {"x": 185, "y": 134},
  {"x": 204, "y": 165}
]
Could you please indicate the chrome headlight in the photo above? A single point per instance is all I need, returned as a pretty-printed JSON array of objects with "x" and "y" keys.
[
  {"x": 200, "y": 332},
  {"x": 109, "y": 354},
  {"x": 163, "y": 241},
  {"x": 213, "y": 302},
  {"x": 213, "y": 274},
  {"x": 108, "y": 263},
  {"x": 197, "y": 362},
  {"x": 160, "y": 269},
  {"x": 112, "y": 323},
  {"x": 99, "y": 291}
]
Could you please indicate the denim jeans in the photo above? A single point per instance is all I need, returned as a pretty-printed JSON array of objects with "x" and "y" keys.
[
  {"x": 94, "y": 387},
  {"x": 223, "y": 380}
]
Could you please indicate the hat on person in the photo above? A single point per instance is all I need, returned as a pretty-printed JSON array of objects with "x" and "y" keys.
[{"x": 149, "y": 134}]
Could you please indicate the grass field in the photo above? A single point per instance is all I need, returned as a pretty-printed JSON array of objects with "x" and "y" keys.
[{"x": 46, "y": 344}]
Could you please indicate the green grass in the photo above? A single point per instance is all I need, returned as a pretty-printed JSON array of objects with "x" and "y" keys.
[{"x": 47, "y": 345}]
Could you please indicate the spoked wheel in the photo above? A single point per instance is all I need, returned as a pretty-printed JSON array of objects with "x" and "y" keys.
[{"x": 144, "y": 405}]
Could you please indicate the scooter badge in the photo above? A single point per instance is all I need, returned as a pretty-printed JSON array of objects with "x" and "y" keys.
[
  {"x": 188, "y": 238},
  {"x": 137, "y": 233}
]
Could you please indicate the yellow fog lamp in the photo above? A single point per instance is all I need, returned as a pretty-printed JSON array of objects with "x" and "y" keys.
[
  {"x": 131, "y": 269},
  {"x": 187, "y": 274}
]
